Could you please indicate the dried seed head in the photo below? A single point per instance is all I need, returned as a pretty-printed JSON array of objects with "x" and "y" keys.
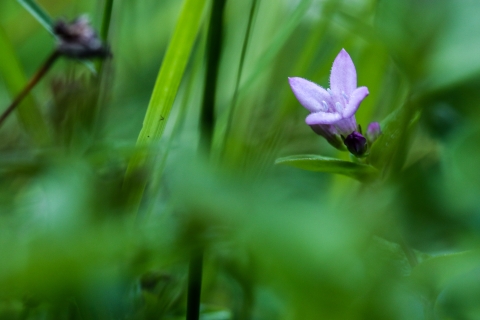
[{"x": 79, "y": 40}]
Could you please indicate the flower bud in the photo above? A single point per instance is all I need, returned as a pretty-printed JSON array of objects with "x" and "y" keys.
[
  {"x": 373, "y": 132},
  {"x": 356, "y": 144}
]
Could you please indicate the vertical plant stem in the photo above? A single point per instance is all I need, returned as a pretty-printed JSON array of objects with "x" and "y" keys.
[
  {"x": 105, "y": 28},
  {"x": 207, "y": 125},
  {"x": 214, "y": 47},
  {"x": 31, "y": 84},
  {"x": 195, "y": 270},
  {"x": 107, "y": 17},
  {"x": 233, "y": 104}
]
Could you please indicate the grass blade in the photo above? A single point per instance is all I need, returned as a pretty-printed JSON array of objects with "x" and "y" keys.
[
  {"x": 171, "y": 72},
  {"x": 166, "y": 87},
  {"x": 38, "y": 13}
]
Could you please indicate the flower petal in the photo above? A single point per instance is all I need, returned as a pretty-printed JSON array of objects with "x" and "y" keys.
[
  {"x": 354, "y": 102},
  {"x": 343, "y": 77},
  {"x": 322, "y": 118},
  {"x": 309, "y": 94}
]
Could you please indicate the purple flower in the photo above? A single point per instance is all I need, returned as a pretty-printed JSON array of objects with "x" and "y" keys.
[{"x": 332, "y": 111}]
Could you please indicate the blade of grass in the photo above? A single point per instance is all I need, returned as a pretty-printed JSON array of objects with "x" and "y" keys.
[
  {"x": 260, "y": 67},
  {"x": 233, "y": 104},
  {"x": 28, "y": 112},
  {"x": 38, "y": 13},
  {"x": 276, "y": 45},
  {"x": 166, "y": 86}
]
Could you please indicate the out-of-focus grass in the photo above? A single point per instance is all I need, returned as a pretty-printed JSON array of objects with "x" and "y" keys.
[{"x": 281, "y": 243}]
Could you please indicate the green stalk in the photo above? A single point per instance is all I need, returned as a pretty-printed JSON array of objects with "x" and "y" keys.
[
  {"x": 107, "y": 17},
  {"x": 105, "y": 28},
  {"x": 231, "y": 111},
  {"x": 28, "y": 113},
  {"x": 195, "y": 270},
  {"x": 207, "y": 125},
  {"x": 214, "y": 47},
  {"x": 165, "y": 90}
]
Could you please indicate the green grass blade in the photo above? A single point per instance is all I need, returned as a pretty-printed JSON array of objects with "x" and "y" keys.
[
  {"x": 166, "y": 86},
  {"x": 231, "y": 111},
  {"x": 27, "y": 112},
  {"x": 171, "y": 72},
  {"x": 317, "y": 163},
  {"x": 276, "y": 45},
  {"x": 38, "y": 13}
]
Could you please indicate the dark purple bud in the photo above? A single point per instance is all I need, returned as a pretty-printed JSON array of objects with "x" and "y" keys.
[
  {"x": 373, "y": 132},
  {"x": 356, "y": 144},
  {"x": 79, "y": 40}
]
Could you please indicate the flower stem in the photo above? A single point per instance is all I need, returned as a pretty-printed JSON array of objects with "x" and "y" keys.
[
  {"x": 195, "y": 270},
  {"x": 31, "y": 84}
]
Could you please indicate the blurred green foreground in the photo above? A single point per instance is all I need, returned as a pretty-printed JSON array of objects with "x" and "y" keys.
[{"x": 80, "y": 239}]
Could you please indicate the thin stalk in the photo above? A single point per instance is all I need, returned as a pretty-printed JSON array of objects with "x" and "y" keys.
[
  {"x": 214, "y": 46},
  {"x": 195, "y": 270},
  {"x": 207, "y": 125},
  {"x": 107, "y": 17},
  {"x": 233, "y": 104},
  {"x": 105, "y": 28},
  {"x": 31, "y": 84}
]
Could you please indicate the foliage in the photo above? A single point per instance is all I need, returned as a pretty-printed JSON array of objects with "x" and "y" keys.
[{"x": 82, "y": 239}]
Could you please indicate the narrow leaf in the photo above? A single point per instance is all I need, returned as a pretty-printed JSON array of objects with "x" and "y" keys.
[
  {"x": 171, "y": 72},
  {"x": 166, "y": 87},
  {"x": 317, "y": 163},
  {"x": 38, "y": 13}
]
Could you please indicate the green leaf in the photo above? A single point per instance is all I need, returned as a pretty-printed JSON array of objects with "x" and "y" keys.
[
  {"x": 433, "y": 274},
  {"x": 38, "y": 13},
  {"x": 167, "y": 84},
  {"x": 317, "y": 163},
  {"x": 171, "y": 72},
  {"x": 27, "y": 112}
]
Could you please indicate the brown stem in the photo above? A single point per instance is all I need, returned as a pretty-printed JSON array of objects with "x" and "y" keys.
[{"x": 31, "y": 84}]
